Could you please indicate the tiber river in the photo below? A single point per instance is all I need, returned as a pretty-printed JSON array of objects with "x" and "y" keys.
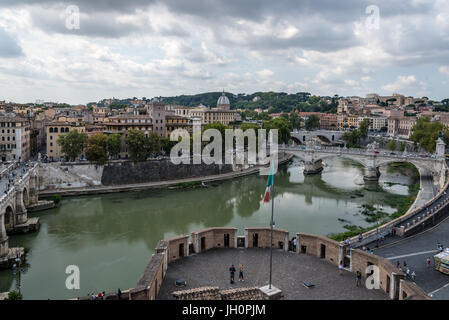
[{"x": 111, "y": 237}]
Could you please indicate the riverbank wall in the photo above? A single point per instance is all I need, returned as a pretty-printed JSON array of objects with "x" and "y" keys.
[{"x": 71, "y": 179}]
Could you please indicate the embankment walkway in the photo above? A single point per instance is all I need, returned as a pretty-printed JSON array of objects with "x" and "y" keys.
[{"x": 156, "y": 184}]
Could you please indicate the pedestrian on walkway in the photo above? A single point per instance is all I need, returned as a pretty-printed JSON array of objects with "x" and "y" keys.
[
  {"x": 413, "y": 275},
  {"x": 340, "y": 268},
  {"x": 428, "y": 262},
  {"x": 232, "y": 272},
  {"x": 241, "y": 273},
  {"x": 398, "y": 265},
  {"x": 358, "y": 279},
  {"x": 119, "y": 294}
]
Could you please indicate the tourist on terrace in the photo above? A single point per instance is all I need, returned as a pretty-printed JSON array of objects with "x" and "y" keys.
[
  {"x": 358, "y": 277},
  {"x": 232, "y": 271}
]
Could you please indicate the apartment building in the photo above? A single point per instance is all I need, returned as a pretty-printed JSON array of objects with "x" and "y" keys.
[
  {"x": 53, "y": 131},
  {"x": 15, "y": 139}
]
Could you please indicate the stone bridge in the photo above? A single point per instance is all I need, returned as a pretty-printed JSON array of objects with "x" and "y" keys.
[
  {"x": 370, "y": 159},
  {"x": 302, "y": 137},
  {"x": 17, "y": 197}
]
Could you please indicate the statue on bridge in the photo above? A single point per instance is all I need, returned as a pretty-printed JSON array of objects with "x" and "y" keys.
[{"x": 372, "y": 146}]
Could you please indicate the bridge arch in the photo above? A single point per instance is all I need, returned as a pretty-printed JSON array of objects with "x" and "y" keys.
[
  {"x": 344, "y": 156},
  {"x": 25, "y": 197},
  {"x": 9, "y": 218},
  {"x": 297, "y": 140}
]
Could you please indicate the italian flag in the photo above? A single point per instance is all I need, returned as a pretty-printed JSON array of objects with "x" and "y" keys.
[{"x": 266, "y": 198}]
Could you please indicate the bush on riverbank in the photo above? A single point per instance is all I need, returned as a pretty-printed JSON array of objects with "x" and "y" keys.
[
  {"x": 185, "y": 185},
  {"x": 15, "y": 295},
  {"x": 56, "y": 199}
]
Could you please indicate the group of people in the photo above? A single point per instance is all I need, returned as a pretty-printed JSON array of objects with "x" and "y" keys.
[
  {"x": 9, "y": 176},
  {"x": 409, "y": 275},
  {"x": 99, "y": 296},
  {"x": 102, "y": 295},
  {"x": 232, "y": 271}
]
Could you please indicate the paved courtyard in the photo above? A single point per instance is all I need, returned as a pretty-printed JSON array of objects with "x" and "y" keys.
[{"x": 290, "y": 270}]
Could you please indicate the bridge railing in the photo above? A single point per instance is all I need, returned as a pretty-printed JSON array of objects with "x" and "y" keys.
[
  {"x": 7, "y": 169},
  {"x": 357, "y": 151}
]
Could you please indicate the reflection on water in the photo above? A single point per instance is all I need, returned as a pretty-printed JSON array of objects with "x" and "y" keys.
[{"x": 111, "y": 237}]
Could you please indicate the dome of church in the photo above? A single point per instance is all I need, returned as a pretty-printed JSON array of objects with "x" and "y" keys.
[{"x": 223, "y": 100}]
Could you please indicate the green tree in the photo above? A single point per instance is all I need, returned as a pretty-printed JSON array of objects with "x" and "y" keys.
[
  {"x": 312, "y": 122},
  {"x": 282, "y": 125},
  {"x": 97, "y": 149},
  {"x": 114, "y": 145},
  {"x": 425, "y": 133},
  {"x": 137, "y": 145},
  {"x": 153, "y": 143},
  {"x": 391, "y": 145},
  {"x": 295, "y": 120},
  {"x": 402, "y": 148},
  {"x": 72, "y": 144},
  {"x": 167, "y": 145},
  {"x": 363, "y": 128},
  {"x": 352, "y": 138}
]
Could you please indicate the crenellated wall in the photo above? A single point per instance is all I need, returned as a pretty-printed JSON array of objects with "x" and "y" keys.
[
  {"x": 322, "y": 247},
  {"x": 167, "y": 251}
]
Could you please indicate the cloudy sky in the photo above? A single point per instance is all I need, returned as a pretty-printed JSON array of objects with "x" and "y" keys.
[{"x": 169, "y": 47}]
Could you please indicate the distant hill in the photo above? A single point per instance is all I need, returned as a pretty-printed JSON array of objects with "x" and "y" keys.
[{"x": 275, "y": 102}]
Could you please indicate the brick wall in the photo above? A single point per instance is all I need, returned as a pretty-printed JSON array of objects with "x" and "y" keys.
[
  {"x": 389, "y": 275},
  {"x": 410, "y": 291},
  {"x": 213, "y": 238},
  {"x": 280, "y": 238},
  {"x": 173, "y": 250},
  {"x": 321, "y": 247}
]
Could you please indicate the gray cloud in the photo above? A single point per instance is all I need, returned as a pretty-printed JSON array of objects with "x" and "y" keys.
[{"x": 9, "y": 47}]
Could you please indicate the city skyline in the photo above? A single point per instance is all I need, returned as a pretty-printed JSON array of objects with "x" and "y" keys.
[{"x": 154, "y": 48}]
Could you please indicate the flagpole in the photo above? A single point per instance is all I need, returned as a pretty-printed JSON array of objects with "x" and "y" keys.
[{"x": 271, "y": 238}]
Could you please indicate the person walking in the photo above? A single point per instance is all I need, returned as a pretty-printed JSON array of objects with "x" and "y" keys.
[
  {"x": 241, "y": 273},
  {"x": 119, "y": 294},
  {"x": 428, "y": 262},
  {"x": 340, "y": 268},
  {"x": 232, "y": 272},
  {"x": 358, "y": 277}
]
